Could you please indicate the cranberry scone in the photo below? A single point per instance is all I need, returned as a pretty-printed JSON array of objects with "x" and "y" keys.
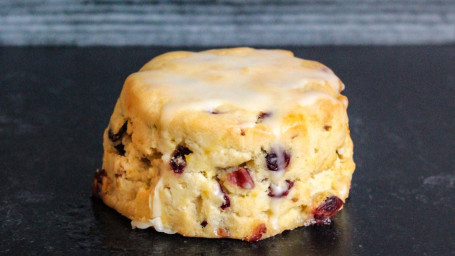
[{"x": 230, "y": 143}]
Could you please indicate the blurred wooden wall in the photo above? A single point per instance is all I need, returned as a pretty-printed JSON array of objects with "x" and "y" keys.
[{"x": 226, "y": 22}]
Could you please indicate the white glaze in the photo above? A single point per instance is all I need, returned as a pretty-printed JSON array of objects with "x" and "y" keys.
[
  {"x": 216, "y": 191},
  {"x": 264, "y": 81},
  {"x": 275, "y": 203},
  {"x": 155, "y": 207},
  {"x": 275, "y": 208},
  {"x": 155, "y": 222}
]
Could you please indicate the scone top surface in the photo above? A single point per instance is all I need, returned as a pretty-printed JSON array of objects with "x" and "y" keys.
[{"x": 236, "y": 83}]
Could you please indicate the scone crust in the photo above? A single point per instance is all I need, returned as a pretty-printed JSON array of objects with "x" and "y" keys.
[{"x": 224, "y": 138}]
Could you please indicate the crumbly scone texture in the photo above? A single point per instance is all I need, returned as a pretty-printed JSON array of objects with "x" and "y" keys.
[{"x": 238, "y": 143}]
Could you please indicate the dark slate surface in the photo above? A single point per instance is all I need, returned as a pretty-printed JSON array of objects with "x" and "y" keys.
[
  {"x": 226, "y": 22},
  {"x": 55, "y": 103}
]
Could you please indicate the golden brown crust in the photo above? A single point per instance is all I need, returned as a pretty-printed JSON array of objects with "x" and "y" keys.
[{"x": 223, "y": 170}]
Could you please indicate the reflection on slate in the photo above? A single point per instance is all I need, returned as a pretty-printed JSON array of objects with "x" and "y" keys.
[{"x": 117, "y": 235}]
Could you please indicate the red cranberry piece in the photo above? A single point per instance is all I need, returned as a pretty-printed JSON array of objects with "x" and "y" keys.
[
  {"x": 263, "y": 115},
  {"x": 227, "y": 201},
  {"x": 327, "y": 209},
  {"x": 178, "y": 159},
  {"x": 98, "y": 182},
  {"x": 242, "y": 178},
  {"x": 327, "y": 127},
  {"x": 116, "y": 136},
  {"x": 257, "y": 233},
  {"x": 277, "y": 160},
  {"x": 119, "y": 174},
  {"x": 222, "y": 232},
  {"x": 274, "y": 191}
]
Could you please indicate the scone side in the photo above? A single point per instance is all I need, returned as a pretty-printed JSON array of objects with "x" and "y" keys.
[{"x": 133, "y": 210}]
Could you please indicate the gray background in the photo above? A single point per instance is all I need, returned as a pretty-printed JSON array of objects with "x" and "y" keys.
[{"x": 226, "y": 22}]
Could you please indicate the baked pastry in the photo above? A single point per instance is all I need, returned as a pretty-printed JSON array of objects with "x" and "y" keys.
[{"x": 238, "y": 143}]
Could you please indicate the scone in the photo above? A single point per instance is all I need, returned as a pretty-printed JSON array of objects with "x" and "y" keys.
[{"x": 230, "y": 143}]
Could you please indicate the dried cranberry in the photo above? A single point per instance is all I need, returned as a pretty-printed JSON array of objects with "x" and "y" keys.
[
  {"x": 277, "y": 160},
  {"x": 242, "y": 132},
  {"x": 242, "y": 178},
  {"x": 274, "y": 193},
  {"x": 178, "y": 159},
  {"x": 327, "y": 127},
  {"x": 120, "y": 149},
  {"x": 257, "y": 233},
  {"x": 263, "y": 115},
  {"x": 120, "y": 173},
  {"x": 227, "y": 201},
  {"x": 98, "y": 182},
  {"x": 327, "y": 209},
  {"x": 204, "y": 224},
  {"x": 115, "y": 137},
  {"x": 222, "y": 232}
]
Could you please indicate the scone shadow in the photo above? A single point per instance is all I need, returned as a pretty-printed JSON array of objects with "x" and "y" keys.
[{"x": 117, "y": 235}]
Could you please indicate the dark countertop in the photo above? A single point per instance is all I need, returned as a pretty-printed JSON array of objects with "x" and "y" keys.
[{"x": 55, "y": 103}]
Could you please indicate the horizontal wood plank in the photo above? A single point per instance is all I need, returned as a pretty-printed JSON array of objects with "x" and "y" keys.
[{"x": 226, "y": 22}]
